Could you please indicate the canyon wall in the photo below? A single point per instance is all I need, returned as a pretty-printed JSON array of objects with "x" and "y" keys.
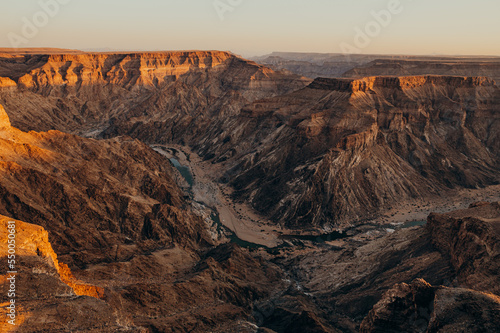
[
  {"x": 328, "y": 154},
  {"x": 343, "y": 150}
]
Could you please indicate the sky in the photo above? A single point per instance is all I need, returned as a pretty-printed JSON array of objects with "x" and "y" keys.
[{"x": 256, "y": 27}]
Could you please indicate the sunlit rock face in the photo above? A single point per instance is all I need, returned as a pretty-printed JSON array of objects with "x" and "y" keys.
[
  {"x": 41, "y": 280},
  {"x": 4, "y": 119},
  {"x": 94, "y": 196},
  {"x": 87, "y": 92}
]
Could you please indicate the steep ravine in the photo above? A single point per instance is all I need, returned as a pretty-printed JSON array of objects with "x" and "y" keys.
[
  {"x": 343, "y": 151},
  {"x": 245, "y": 228},
  {"x": 328, "y": 155},
  {"x": 251, "y": 230}
]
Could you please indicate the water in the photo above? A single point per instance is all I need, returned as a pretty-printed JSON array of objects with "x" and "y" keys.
[
  {"x": 400, "y": 226},
  {"x": 188, "y": 176},
  {"x": 184, "y": 170},
  {"x": 232, "y": 237},
  {"x": 318, "y": 238}
]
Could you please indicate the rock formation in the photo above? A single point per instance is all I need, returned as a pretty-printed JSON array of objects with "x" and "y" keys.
[
  {"x": 420, "y": 307},
  {"x": 135, "y": 254},
  {"x": 409, "y": 280},
  {"x": 471, "y": 240},
  {"x": 320, "y": 152},
  {"x": 343, "y": 150},
  {"x": 84, "y": 93},
  {"x": 41, "y": 280},
  {"x": 4, "y": 119}
]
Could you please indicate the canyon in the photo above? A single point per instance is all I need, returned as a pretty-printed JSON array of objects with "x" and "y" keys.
[{"x": 199, "y": 191}]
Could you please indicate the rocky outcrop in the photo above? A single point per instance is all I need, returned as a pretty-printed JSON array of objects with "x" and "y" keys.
[
  {"x": 4, "y": 119},
  {"x": 41, "y": 280},
  {"x": 100, "y": 201},
  {"x": 33, "y": 241},
  {"x": 351, "y": 276},
  {"x": 420, "y": 307},
  {"x": 406, "y": 281},
  {"x": 345, "y": 150},
  {"x": 86, "y": 93},
  {"x": 468, "y": 239},
  {"x": 6, "y": 83},
  {"x": 471, "y": 239}
]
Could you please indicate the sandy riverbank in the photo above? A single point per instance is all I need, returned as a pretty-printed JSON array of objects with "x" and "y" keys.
[
  {"x": 251, "y": 227},
  {"x": 239, "y": 218}
]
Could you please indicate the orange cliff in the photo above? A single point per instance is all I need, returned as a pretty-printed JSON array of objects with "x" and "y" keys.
[
  {"x": 4, "y": 119},
  {"x": 32, "y": 241},
  {"x": 147, "y": 68},
  {"x": 372, "y": 83},
  {"x": 6, "y": 82}
]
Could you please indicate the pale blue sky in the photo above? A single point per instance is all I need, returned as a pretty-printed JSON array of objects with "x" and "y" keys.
[{"x": 455, "y": 27}]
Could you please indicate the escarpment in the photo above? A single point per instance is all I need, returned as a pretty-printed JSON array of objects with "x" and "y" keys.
[
  {"x": 330, "y": 154},
  {"x": 44, "y": 289},
  {"x": 371, "y": 83},
  {"x": 342, "y": 150},
  {"x": 86, "y": 93},
  {"x": 87, "y": 68},
  {"x": 100, "y": 201},
  {"x": 34, "y": 249},
  {"x": 127, "y": 70},
  {"x": 4, "y": 119}
]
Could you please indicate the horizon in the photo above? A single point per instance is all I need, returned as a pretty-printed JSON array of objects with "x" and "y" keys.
[
  {"x": 97, "y": 50},
  {"x": 256, "y": 28}
]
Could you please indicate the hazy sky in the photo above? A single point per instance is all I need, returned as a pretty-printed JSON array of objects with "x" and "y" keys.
[{"x": 252, "y": 27}]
